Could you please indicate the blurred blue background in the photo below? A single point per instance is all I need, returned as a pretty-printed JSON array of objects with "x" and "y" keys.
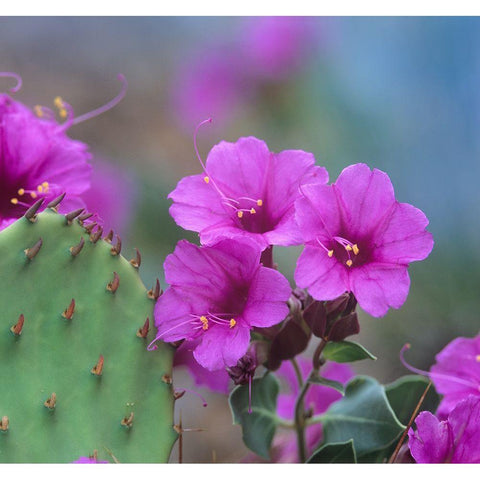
[{"x": 401, "y": 94}]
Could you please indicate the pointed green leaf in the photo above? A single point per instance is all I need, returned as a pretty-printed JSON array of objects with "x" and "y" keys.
[
  {"x": 363, "y": 415},
  {"x": 404, "y": 395},
  {"x": 345, "y": 352},
  {"x": 258, "y": 427},
  {"x": 335, "y": 453},
  {"x": 318, "y": 380}
]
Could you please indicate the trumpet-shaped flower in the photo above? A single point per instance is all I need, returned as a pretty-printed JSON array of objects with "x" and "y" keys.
[
  {"x": 454, "y": 440},
  {"x": 359, "y": 239},
  {"x": 217, "y": 295},
  {"x": 245, "y": 191}
]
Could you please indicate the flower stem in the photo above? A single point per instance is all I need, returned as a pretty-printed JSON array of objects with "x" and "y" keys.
[{"x": 300, "y": 417}]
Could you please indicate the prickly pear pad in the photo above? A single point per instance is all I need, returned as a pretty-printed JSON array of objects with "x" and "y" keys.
[{"x": 56, "y": 354}]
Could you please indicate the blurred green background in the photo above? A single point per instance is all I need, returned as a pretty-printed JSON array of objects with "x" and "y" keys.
[{"x": 401, "y": 94}]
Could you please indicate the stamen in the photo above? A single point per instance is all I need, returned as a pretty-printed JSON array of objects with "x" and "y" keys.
[
  {"x": 259, "y": 202},
  {"x": 252, "y": 211},
  {"x": 21, "y": 191},
  {"x": 349, "y": 263},
  {"x": 233, "y": 322},
  {"x": 14, "y": 201},
  {"x": 112, "y": 103},
  {"x": 433, "y": 375},
  {"x": 16, "y": 77},
  {"x": 204, "y": 321},
  {"x": 206, "y": 179},
  {"x": 329, "y": 252},
  {"x": 239, "y": 214},
  {"x": 355, "y": 249}
]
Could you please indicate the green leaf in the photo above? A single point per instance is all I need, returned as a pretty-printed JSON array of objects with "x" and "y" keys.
[
  {"x": 404, "y": 395},
  {"x": 318, "y": 380},
  {"x": 345, "y": 352},
  {"x": 258, "y": 427},
  {"x": 335, "y": 453},
  {"x": 363, "y": 415}
]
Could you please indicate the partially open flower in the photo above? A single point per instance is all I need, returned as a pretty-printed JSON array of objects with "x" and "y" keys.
[{"x": 217, "y": 295}]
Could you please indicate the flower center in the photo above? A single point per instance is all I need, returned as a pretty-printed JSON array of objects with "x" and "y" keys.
[
  {"x": 204, "y": 322},
  {"x": 344, "y": 250}
]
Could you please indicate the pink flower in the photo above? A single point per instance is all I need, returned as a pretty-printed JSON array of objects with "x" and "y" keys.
[
  {"x": 456, "y": 373},
  {"x": 454, "y": 440},
  {"x": 111, "y": 196},
  {"x": 359, "y": 239},
  {"x": 275, "y": 47},
  {"x": 245, "y": 191},
  {"x": 37, "y": 160},
  {"x": 217, "y": 295}
]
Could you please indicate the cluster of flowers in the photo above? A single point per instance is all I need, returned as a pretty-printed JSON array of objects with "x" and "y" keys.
[
  {"x": 453, "y": 434},
  {"x": 38, "y": 160}
]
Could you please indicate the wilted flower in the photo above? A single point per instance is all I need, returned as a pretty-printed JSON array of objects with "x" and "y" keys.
[
  {"x": 245, "y": 191},
  {"x": 454, "y": 440},
  {"x": 217, "y": 295},
  {"x": 359, "y": 239}
]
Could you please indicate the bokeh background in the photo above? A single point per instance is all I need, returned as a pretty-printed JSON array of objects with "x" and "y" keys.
[{"x": 401, "y": 94}]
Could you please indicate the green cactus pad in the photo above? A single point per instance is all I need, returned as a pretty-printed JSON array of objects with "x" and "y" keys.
[{"x": 54, "y": 354}]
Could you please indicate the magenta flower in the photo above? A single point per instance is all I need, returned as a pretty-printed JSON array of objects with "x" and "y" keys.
[
  {"x": 455, "y": 440},
  {"x": 456, "y": 373},
  {"x": 216, "y": 381},
  {"x": 217, "y": 295},
  {"x": 359, "y": 239},
  {"x": 210, "y": 84},
  {"x": 245, "y": 191},
  {"x": 111, "y": 196},
  {"x": 37, "y": 160},
  {"x": 275, "y": 47}
]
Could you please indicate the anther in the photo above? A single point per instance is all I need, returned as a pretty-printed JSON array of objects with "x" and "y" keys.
[
  {"x": 14, "y": 201},
  {"x": 330, "y": 253},
  {"x": 4, "y": 424},
  {"x": 206, "y": 179},
  {"x": 113, "y": 285},
  {"x": 74, "y": 214},
  {"x": 95, "y": 237},
  {"x": 76, "y": 249},
  {"x": 32, "y": 251},
  {"x": 204, "y": 321},
  {"x": 88, "y": 228},
  {"x": 232, "y": 322},
  {"x": 137, "y": 260},
  {"x": 127, "y": 421},
  {"x": 51, "y": 401},
  {"x": 348, "y": 248},
  {"x": 21, "y": 191},
  {"x": 349, "y": 263},
  {"x": 143, "y": 331},
  {"x": 477, "y": 358},
  {"x": 239, "y": 214},
  {"x": 31, "y": 213},
  {"x": 109, "y": 237},
  {"x": 259, "y": 202},
  {"x": 17, "y": 328},
  {"x": 68, "y": 312},
  {"x": 98, "y": 368},
  {"x": 355, "y": 249},
  {"x": 54, "y": 203},
  {"x": 252, "y": 211},
  {"x": 117, "y": 248},
  {"x": 155, "y": 292}
]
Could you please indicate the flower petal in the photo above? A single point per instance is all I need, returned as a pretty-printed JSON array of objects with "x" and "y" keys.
[
  {"x": 323, "y": 276},
  {"x": 267, "y": 298},
  {"x": 222, "y": 346},
  {"x": 402, "y": 237},
  {"x": 366, "y": 195},
  {"x": 378, "y": 286}
]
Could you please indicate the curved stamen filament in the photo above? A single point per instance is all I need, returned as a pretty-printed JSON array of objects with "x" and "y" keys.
[
  {"x": 44, "y": 112},
  {"x": 329, "y": 252},
  {"x": 183, "y": 390},
  {"x": 112, "y": 103},
  {"x": 16, "y": 77},
  {"x": 433, "y": 375}
]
